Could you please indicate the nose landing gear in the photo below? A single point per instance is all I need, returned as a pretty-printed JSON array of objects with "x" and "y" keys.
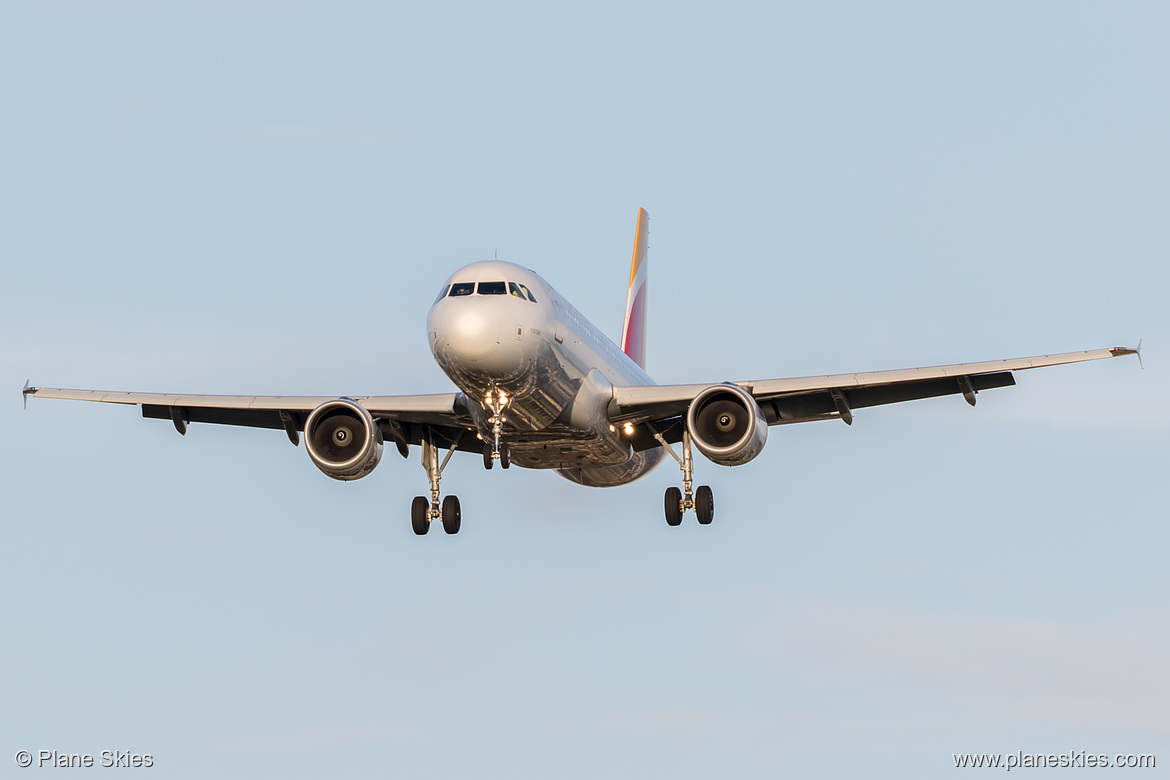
[
  {"x": 678, "y": 502},
  {"x": 422, "y": 511},
  {"x": 498, "y": 402},
  {"x": 490, "y": 456}
]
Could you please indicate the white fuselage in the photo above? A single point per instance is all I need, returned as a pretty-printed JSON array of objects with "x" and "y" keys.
[{"x": 557, "y": 369}]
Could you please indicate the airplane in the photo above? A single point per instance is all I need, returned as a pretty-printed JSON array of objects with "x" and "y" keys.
[{"x": 542, "y": 388}]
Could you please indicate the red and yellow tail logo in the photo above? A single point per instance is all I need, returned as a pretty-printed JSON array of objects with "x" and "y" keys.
[{"x": 634, "y": 330}]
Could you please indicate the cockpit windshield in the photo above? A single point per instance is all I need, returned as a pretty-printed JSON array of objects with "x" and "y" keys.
[{"x": 460, "y": 289}]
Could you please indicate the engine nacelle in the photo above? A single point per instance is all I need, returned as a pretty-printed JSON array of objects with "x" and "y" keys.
[
  {"x": 727, "y": 425},
  {"x": 343, "y": 440}
]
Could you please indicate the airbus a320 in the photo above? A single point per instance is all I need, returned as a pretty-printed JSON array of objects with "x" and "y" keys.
[{"x": 542, "y": 388}]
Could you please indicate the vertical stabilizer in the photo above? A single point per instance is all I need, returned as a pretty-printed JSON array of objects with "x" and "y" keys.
[{"x": 634, "y": 329}]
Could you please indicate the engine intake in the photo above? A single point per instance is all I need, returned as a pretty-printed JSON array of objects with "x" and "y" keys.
[
  {"x": 727, "y": 425},
  {"x": 343, "y": 440}
]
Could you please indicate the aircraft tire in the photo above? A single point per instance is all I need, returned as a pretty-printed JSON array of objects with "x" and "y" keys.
[
  {"x": 452, "y": 517},
  {"x": 488, "y": 460},
  {"x": 505, "y": 456},
  {"x": 420, "y": 510},
  {"x": 705, "y": 505},
  {"x": 673, "y": 511}
]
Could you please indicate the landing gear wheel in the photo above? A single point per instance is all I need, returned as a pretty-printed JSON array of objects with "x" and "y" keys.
[
  {"x": 505, "y": 456},
  {"x": 488, "y": 460},
  {"x": 420, "y": 511},
  {"x": 672, "y": 505},
  {"x": 451, "y": 515},
  {"x": 704, "y": 505}
]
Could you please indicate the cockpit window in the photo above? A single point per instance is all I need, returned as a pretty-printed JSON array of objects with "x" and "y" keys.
[
  {"x": 487, "y": 288},
  {"x": 442, "y": 293}
]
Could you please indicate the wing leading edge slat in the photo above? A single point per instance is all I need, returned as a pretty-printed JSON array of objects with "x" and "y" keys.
[{"x": 437, "y": 403}]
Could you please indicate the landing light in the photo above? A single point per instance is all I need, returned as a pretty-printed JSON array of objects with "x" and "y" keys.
[
  {"x": 495, "y": 395},
  {"x": 629, "y": 428}
]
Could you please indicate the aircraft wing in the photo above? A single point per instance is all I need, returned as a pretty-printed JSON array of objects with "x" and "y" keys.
[
  {"x": 404, "y": 417},
  {"x": 805, "y": 399}
]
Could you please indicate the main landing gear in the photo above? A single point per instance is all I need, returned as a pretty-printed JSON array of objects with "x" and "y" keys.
[
  {"x": 422, "y": 511},
  {"x": 677, "y": 502},
  {"x": 498, "y": 402}
]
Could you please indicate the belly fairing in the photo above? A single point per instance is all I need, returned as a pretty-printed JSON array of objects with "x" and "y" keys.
[{"x": 638, "y": 465}]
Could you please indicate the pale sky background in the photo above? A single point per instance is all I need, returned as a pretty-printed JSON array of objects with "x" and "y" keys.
[{"x": 263, "y": 198}]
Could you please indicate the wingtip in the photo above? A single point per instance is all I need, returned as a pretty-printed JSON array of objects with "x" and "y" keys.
[
  {"x": 1119, "y": 351},
  {"x": 26, "y": 392}
]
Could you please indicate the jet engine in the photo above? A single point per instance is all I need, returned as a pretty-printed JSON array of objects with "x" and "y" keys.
[
  {"x": 343, "y": 440},
  {"x": 727, "y": 425}
]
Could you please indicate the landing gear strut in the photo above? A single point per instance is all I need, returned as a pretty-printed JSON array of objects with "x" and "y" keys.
[
  {"x": 422, "y": 511},
  {"x": 498, "y": 402},
  {"x": 678, "y": 502}
]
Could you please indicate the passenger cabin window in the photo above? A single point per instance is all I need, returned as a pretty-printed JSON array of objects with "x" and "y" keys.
[
  {"x": 527, "y": 292},
  {"x": 462, "y": 288},
  {"x": 493, "y": 288},
  {"x": 442, "y": 293}
]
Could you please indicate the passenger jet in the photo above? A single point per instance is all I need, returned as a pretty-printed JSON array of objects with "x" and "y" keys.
[{"x": 542, "y": 388}]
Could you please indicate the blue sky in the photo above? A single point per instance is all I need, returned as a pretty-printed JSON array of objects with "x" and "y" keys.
[{"x": 259, "y": 197}]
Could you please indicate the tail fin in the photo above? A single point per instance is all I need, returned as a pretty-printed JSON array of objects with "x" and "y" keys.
[{"x": 634, "y": 329}]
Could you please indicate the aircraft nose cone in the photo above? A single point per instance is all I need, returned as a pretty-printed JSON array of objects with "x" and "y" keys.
[{"x": 471, "y": 336}]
